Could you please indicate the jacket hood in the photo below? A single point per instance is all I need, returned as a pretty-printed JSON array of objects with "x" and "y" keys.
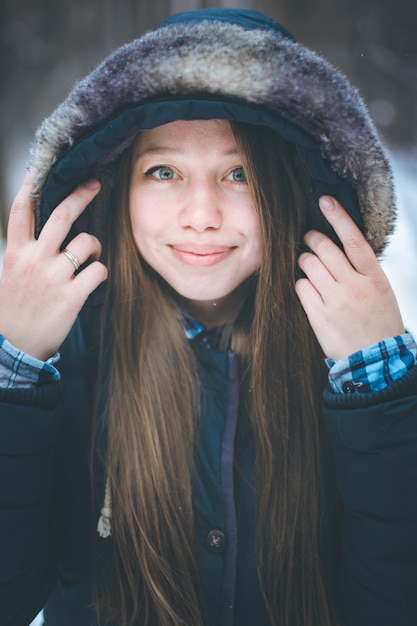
[{"x": 218, "y": 63}]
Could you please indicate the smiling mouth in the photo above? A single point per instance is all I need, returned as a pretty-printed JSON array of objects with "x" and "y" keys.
[{"x": 203, "y": 256}]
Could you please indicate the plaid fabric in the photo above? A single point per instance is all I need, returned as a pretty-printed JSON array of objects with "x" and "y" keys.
[
  {"x": 212, "y": 338},
  {"x": 18, "y": 369},
  {"x": 375, "y": 367},
  {"x": 192, "y": 328}
]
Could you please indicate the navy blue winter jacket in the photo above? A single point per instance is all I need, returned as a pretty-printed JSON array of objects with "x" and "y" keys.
[{"x": 45, "y": 487}]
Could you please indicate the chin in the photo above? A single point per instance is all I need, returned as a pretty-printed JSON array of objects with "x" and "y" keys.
[{"x": 206, "y": 297}]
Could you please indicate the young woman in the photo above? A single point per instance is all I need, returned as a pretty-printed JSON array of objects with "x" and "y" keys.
[{"x": 190, "y": 257}]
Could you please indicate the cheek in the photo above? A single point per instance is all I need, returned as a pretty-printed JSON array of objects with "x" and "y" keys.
[
  {"x": 137, "y": 227},
  {"x": 253, "y": 233},
  {"x": 141, "y": 219}
]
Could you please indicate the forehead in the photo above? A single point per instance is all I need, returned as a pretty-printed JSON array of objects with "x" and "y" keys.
[{"x": 180, "y": 135}]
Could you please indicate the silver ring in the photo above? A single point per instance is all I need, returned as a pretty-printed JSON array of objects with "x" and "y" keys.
[{"x": 72, "y": 258}]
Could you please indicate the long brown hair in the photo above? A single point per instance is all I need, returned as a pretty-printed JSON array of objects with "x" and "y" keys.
[
  {"x": 149, "y": 393},
  {"x": 296, "y": 498}
]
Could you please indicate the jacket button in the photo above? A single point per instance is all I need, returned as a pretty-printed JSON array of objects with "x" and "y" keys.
[
  {"x": 216, "y": 541},
  {"x": 348, "y": 388}
]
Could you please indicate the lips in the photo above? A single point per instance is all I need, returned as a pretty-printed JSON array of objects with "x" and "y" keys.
[{"x": 201, "y": 255}]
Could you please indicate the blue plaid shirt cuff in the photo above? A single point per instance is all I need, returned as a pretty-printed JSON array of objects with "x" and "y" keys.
[
  {"x": 374, "y": 367},
  {"x": 18, "y": 369}
]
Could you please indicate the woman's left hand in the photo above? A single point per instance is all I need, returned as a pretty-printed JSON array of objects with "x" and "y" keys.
[{"x": 347, "y": 297}]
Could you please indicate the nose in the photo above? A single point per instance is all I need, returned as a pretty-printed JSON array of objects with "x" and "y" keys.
[{"x": 201, "y": 209}]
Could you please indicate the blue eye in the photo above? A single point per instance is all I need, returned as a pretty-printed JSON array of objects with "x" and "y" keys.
[
  {"x": 161, "y": 172},
  {"x": 237, "y": 175}
]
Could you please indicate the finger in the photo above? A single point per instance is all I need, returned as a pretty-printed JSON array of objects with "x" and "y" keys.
[
  {"x": 317, "y": 273},
  {"x": 330, "y": 255},
  {"x": 356, "y": 248},
  {"x": 309, "y": 297},
  {"x": 82, "y": 248},
  {"x": 62, "y": 218},
  {"x": 21, "y": 219},
  {"x": 88, "y": 280}
]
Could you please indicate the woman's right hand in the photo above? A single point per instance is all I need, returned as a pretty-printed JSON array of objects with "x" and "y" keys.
[{"x": 40, "y": 297}]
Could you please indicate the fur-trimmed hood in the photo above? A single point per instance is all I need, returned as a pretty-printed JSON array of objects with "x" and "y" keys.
[{"x": 223, "y": 63}]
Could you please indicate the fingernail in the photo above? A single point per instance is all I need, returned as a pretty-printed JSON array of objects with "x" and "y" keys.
[
  {"x": 327, "y": 203},
  {"x": 92, "y": 184}
]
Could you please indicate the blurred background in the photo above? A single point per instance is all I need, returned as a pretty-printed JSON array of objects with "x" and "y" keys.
[{"x": 46, "y": 45}]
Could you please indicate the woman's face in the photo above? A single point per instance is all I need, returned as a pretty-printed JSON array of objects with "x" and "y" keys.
[{"x": 193, "y": 217}]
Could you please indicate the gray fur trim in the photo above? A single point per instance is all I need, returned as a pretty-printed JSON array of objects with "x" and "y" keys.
[{"x": 256, "y": 65}]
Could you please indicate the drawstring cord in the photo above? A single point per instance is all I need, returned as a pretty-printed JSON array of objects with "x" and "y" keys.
[{"x": 104, "y": 522}]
